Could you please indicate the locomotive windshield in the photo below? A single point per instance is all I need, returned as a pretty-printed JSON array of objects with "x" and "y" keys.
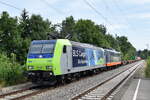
[
  {"x": 42, "y": 47},
  {"x": 48, "y": 48}
]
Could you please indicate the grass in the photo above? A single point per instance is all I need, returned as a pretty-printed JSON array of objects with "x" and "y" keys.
[
  {"x": 147, "y": 69},
  {"x": 11, "y": 72}
]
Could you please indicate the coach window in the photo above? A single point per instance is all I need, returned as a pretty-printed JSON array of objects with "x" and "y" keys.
[{"x": 64, "y": 49}]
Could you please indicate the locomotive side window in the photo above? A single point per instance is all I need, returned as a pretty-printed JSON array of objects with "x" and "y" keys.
[{"x": 64, "y": 49}]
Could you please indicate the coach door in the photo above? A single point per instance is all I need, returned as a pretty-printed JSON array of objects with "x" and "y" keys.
[
  {"x": 66, "y": 59},
  {"x": 69, "y": 58}
]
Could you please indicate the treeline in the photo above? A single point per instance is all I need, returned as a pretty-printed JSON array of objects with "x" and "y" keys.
[
  {"x": 17, "y": 33},
  {"x": 144, "y": 54}
]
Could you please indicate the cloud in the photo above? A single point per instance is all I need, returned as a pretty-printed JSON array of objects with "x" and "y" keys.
[
  {"x": 139, "y": 2},
  {"x": 52, "y": 1},
  {"x": 114, "y": 27},
  {"x": 140, "y": 15}
]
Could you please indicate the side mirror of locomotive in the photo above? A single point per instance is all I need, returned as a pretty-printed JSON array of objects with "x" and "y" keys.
[{"x": 64, "y": 49}]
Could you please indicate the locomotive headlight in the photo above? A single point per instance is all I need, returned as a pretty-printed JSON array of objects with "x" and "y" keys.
[
  {"x": 30, "y": 67},
  {"x": 48, "y": 67}
]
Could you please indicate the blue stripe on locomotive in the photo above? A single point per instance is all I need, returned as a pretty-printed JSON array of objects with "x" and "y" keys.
[
  {"x": 47, "y": 55},
  {"x": 85, "y": 56}
]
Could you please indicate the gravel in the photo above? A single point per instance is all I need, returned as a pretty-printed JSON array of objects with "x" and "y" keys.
[
  {"x": 15, "y": 87},
  {"x": 68, "y": 91}
]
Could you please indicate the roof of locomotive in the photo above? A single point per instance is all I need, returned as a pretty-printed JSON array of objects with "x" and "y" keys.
[
  {"x": 85, "y": 45},
  {"x": 42, "y": 41}
]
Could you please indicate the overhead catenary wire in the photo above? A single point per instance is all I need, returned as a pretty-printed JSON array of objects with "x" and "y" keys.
[
  {"x": 106, "y": 6},
  {"x": 111, "y": 13},
  {"x": 116, "y": 5},
  {"x": 12, "y": 6},
  {"x": 99, "y": 13},
  {"x": 122, "y": 12},
  {"x": 58, "y": 11},
  {"x": 96, "y": 11},
  {"x": 9, "y": 5},
  {"x": 118, "y": 8},
  {"x": 19, "y": 9},
  {"x": 52, "y": 7}
]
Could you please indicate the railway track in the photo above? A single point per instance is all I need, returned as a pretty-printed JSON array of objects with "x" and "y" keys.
[
  {"x": 106, "y": 89},
  {"x": 24, "y": 93},
  {"x": 32, "y": 91}
]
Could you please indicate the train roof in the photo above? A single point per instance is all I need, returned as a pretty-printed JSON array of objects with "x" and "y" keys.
[
  {"x": 112, "y": 50},
  {"x": 42, "y": 41},
  {"x": 85, "y": 45}
]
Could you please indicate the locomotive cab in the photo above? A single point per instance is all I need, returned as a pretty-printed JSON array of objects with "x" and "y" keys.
[{"x": 39, "y": 59}]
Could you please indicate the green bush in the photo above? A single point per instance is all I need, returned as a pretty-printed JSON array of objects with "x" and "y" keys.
[
  {"x": 10, "y": 71},
  {"x": 147, "y": 70}
]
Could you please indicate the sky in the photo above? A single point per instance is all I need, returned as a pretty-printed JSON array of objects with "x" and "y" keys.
[{"x": 129, "y": 18}]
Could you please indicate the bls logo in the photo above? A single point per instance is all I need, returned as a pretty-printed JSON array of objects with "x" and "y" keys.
[{"x": 40, "y": 56}]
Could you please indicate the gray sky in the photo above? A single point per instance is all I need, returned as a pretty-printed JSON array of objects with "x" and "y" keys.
[{"x": 130, "y": 18}]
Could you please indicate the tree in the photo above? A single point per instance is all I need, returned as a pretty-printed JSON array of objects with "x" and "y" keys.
[
  {"x": 102, "y": 29},
  {"x": 25, "y": 31},
  {"x": 39, "y": 27},
  {"x": 88, "y": 32},
  {"x": 144, "y": 54},
  {"x": 126, "y": 48},
  {"x": 68, "y": 27},
  {"x": 9, "y": 35},
  {"x": 25, "y": 25},
  {"x": 16, "y": 35},
  {"x": 112, "y": 42}
]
